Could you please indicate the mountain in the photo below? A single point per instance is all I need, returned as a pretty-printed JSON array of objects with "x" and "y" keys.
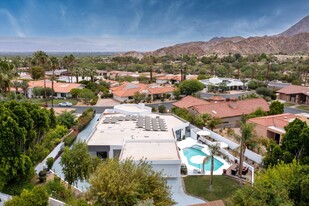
[
  {"x": 292, "y": 41},
  {"x": 301, "y": 27}
]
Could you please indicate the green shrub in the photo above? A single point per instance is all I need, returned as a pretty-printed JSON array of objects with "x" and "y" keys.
[
  {"x": 183, "y": 169},
  {"x": 68, "y": 141},
  {"x": 50, "y": 162},
  {"x": 15, "y": 188},
  {"x": 42, "y": 175},
  {"x": 58, "y": 190},
  {"x": 94, "y": 100}
]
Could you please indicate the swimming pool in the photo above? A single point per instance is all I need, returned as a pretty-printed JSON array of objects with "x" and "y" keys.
[{"x": 195, "y": 158}]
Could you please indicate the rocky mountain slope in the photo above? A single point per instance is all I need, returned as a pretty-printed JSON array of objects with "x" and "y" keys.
[{"x": 293, "y": 40}]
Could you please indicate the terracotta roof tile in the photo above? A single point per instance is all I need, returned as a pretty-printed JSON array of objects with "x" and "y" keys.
[
  {"x": 129, "y": 89},
  {"x": 189, "y": 101},
  {"x": 58, "y": 86},
  {"x": 217, "y": 98},
  {"x": 232, "y": 108},
  {"x": 294, "y": 89},
  {"x": 279, "y": 120}
]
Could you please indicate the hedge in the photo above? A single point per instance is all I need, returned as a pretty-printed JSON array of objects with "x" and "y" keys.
[
  {"x": 84, "y": 120},
  {"x": 94, "y": 100},
  {"x": 70, "y": 139}
]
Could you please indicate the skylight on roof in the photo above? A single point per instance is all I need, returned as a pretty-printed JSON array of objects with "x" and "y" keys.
[{"x": 213, "y": 111}]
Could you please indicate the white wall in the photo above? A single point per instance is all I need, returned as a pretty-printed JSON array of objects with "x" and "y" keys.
[
  {"x": 168, "y": 170},
  {"x": 120, "y": 99}
]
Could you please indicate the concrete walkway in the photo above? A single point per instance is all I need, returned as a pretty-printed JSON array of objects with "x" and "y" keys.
[{"x": 3, "y": 198}]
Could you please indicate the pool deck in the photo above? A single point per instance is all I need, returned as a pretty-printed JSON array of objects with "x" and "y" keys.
[{"x": 188, "y": 142}]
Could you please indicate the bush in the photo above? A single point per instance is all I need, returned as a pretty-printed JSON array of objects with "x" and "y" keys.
[
  {"x": 50, "y": 162},
  {"x": 183, "y": 169},
  {"x": 162, "y": 109},
  {"x": 58, "y": 190},
  {"x": 68, "y": 141},
  {"x": 42, "y": 175},
  {"x": 84, "y": 120},
  {"x": 94, "y": 100},
  {"x": 66, "y": 119}
]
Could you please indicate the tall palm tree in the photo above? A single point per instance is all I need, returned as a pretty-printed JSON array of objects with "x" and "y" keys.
[
  {"x": 54, "y": 64},
  {"x": 40, "y": 58},
  {"x": 247, "y": 138},
  {"x": 213, "y": 150},
  {"x": 7, "y": 73},
  {"x": 77, "y": 71},
  {"x": 24, "y": 86},
  {"x": 68, "y": 63},
  {"x": 16, "y": 85}
]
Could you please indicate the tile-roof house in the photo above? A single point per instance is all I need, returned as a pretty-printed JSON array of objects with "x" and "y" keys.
[
  {"x": 273, "y": 126},
  {"x": 127, "y": 90},
  {"x": 230, "y": 112},
  {"x": 294, "y": 93},
  {"x": 61, "y": 90},
  {"x": 189, "y": 101}
]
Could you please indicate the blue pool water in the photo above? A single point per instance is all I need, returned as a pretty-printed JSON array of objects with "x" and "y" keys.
[{"x": 195, "y": 150}]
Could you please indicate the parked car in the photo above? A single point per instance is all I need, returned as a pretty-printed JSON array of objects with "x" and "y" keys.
[{"x": 65, "y": 104}]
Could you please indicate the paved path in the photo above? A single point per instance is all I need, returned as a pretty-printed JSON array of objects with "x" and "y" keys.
[
  {"x": 3, "y": 198},
  {"x": 294, "y": 110}
]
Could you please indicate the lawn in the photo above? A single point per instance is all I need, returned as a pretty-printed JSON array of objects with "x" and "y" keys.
[
  {"x": 223, "y": 187},
  {"x": 303, "y": 107},
  {"x": 56, "y": 101},
  {"x": 286, "y": 104}
]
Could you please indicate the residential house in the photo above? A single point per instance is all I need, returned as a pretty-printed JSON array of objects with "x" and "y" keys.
[
  {"x": 231, "y": 111},
  {"x": 294, "y": 94},
  {"x": 229, "y": 83},
  {"x": 189, "y": 101},
  {"x": 172, "y": 79},
  {"x": 126, "y": 91},
  {"x": 273, "y": 126},
  {"x": 61, "y": 90}
]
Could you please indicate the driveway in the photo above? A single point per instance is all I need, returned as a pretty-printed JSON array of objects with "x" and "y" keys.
[{"x": 107, "y": 102}]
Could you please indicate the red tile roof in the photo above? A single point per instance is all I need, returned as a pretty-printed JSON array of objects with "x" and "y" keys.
[
  {"x": 58, "y": 86},
  {"x": 129, "y": 89},
  {"x": 279, "y": 120},
  {"x": 232, "y": 108},
  {"x": 294, "y": 89},
  {"x": 212, "y": 203},
  {"x": 189, "y": 101}
]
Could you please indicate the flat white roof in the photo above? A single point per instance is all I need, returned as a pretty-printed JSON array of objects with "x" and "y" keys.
[
  {"x": 151, "y": 150},
  {"x": 115, "y": 134}
]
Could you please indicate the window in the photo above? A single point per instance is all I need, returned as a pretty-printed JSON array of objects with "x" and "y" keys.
[
  {"x": 102, "y": 155},
  {"x": 63, "y": 94}
]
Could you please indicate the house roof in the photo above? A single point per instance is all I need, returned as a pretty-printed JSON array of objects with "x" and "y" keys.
[
  {"x": 231, "y": 108},
  {"x": 294, "y": 89},
  {"x": 279, "y": 120},
  {"x": 128, "y": 89},
  {"x": 189, "y": 101},
  {"x": 58, "y": 86},
  {"x": 212, "y": 203}
]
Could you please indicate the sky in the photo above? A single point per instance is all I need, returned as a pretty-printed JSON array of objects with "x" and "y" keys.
[{"x": 140, "y": 25}]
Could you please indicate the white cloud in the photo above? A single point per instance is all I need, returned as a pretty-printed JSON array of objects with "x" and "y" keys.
[{"x": 13, "y": 22}]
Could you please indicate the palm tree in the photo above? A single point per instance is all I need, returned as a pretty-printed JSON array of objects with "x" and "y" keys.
[
  {"x": 213, "y": 150},
  {"x": 68, "y": 63},
  {"x": 247, "y": 138},
  {"x": 24, "y": 86},
  {"x": 7, "y": 73},
  {"x": 77, "y": 71},
  {"x": 40, "y": 58},
  {"x": 16, "y": 85},
  {"x": 54, "y": 63}
]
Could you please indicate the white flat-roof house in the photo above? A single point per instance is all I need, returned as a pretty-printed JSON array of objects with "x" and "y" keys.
[
  {"x": 232, "y": 84},
  {"x": 151, "y": 137}
]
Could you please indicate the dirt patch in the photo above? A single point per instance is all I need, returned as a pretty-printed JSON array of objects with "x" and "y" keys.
[{"x": 107, "y": 102}]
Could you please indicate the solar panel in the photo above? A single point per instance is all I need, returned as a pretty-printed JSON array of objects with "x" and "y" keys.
[
  {"x": 147, "y": 124},
  {"x": 114, "y": 120},
  {"x": 134, "y": 118},
  {"x": 127, "y": 118},
  {"x": 140, "y": 122},
  {"x": 154, "y": 124},
  {"x": 106, "y": 120},
  {"x": 121, "y": 118},
  {"x": 162, "y": 124}
]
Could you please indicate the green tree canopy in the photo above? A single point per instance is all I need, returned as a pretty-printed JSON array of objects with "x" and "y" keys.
[
  {"x": 76, "y": 163},
  {"x": 37, "y": 72},
  {"x": 86, "y": 95},
  {"x": 276, "y": 107},
  {"x": 284, "y": 184},
  {"x": 189, "y": 87},
  {"x": 126, "y": 183}
]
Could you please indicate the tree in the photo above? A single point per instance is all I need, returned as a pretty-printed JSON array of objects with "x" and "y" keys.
[
  {"x": 24, "y": 85},
  {"x": 37, "y": 72},
  {"x": 213, "y": 122},
  {"x": 50, "y": 162},
  {"x": 37, "y": 91},
  {"x": 161, "y": 109},
  {"x": 36, "y": 197},
  {"x": 283, "y": 184},
  {"x": 86, "y": 95},
  {"x": 66, "y": 118},
  {"x": 16, "y": 85},
  {"x": 52, "y": 118},
  {"x": 76, "y": 163},
  {"x": 75, "y": 92},
  {"x": 54, "y": 64},
  {"x": 189, "y": 87},
  {"x": 138, "y": 97},
  {"x": 276, "y": 107},
  {"x": 213, "y": 150},
  {"x": 177, "y": 93},
  {"x": 7, "y": 73},
  {"x": 247, "y": 138},
  {"x": 127, "y": 183}
]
